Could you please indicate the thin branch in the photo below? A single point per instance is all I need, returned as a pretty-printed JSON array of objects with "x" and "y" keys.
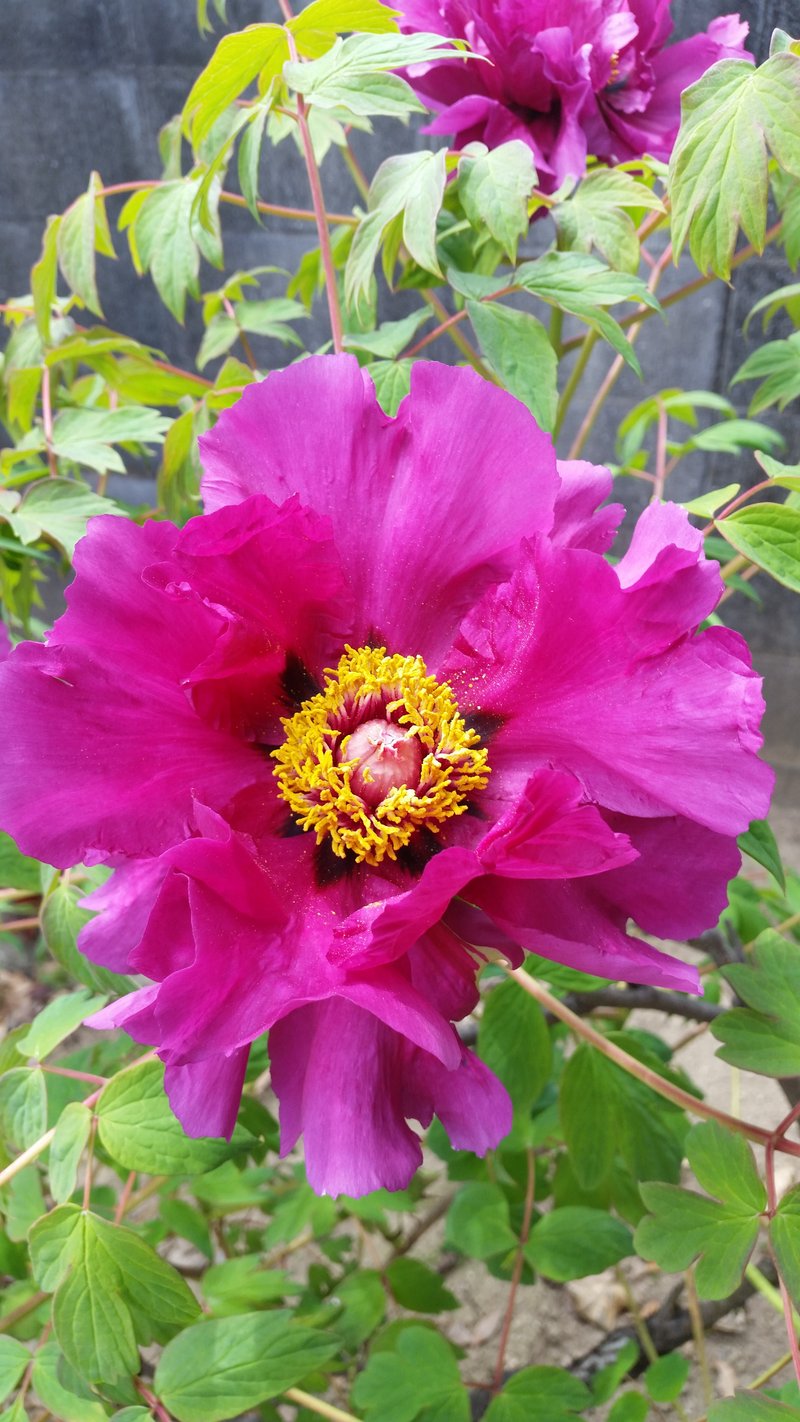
[
  {"x": 316, "y": 1404},
  {"x": 675, "y": 1004},
  {"x": 519, "y": 1261},
  {"x": 643, "y": 1073}
]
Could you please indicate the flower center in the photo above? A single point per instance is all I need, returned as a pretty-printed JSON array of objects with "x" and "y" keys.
[{"x": 377, "y": 755}]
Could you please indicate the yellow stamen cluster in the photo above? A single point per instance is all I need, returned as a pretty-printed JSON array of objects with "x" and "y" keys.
[{"x": 314, "y": 773}]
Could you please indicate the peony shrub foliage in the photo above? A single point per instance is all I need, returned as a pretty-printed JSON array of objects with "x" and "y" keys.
[{"x": 374, "y": 778}]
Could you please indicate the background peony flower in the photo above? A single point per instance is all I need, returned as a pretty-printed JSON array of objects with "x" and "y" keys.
[
  {"x": 568, "y": 78},
  {"x": 383, "y": 708}
]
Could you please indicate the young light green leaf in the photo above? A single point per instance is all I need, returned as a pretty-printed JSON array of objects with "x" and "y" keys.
[
  {"x": 317, "y": 24},
  {"x": 730, "y": 120},
  {"x": 60, "y": 1018},
  {"x": 58, "y": 509},
  {"x": 411, "y": 184},
  {"x": 390, "y": 338},
  {"x": 259, "y": 51},
  {"x": 420, "y": 1378},
  {"x": 263, "y": 1353},
  {"x": 541, "y": 1394},
  {"x": 596, "y": 214},
  {"x": 83, "y": 230},
  {"x": 43, "y": 278},
  {"x": 165, "y": 239},
  {"x": 353, "y": 73},
  {"x": 779, "y": 363},
  {"x": 23, "y": 1105},
  {"x": 392, "y": 381},
  {"x": 631, "y": 1407},
  {"x": 578, "y": 283},
  {"x": 764, "y": 1036},
  {"x": 137, "y": 1127},
  {"x": 706, "y": 505},
  {"x": 249, "y": 156},
  {"x": 494, "y": 186},
  {"x": 519, "y": 351},
  {"x": 769, "y": 535},
  {"x": 68, "y": 1144},
  {"x": 575, "y": 1241},
  {"x": 784, "y": 476}
]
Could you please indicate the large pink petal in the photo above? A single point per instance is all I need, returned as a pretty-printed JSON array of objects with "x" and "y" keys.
[
  {"x": 427, "y": 509},
  {"x": 580, "y": 522},
  {"x": 472, "y": 1105},
  {"x": 550, "y": 833},
  {"x": 122, "y": 905},
  {"x": 561, "y": 656},
  {"x": 205, "y": 1095}
]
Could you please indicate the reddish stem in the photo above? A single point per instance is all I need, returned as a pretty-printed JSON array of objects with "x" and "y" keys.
[
  {"x": 47, "y": 421},
  {"x": 517, "y": 1272}
]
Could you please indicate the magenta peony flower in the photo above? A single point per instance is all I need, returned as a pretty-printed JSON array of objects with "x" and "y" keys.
[
  {"x": 383, "y": 709},
  {"x": 568, "y": 77}
]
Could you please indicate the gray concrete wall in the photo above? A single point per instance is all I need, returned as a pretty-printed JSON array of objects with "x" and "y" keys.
[{"x": 88, "y": 83}]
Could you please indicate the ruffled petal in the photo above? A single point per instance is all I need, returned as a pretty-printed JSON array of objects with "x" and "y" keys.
[
  {"x": 123, "y": 905},
  {"x": 472, "y": 1105},
  {"x": 423, "y": 511},
  {"x": 551, "y": 833},
  {"x": 675, "y": 586},
  {"x": 580, "y": 522}
]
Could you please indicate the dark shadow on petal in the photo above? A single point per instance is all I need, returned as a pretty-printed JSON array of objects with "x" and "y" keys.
[
  {"x": 419, "y": 851},
  {"x": 297, "y": 682},
  {"x": 486, "y": 723},
  {"x": 291, "y": 828},
  {"x": 328, "y": 867}
]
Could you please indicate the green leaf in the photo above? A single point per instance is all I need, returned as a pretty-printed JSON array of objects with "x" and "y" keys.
[
  {"x": 22, "y": 1202},
  {"x": 478, "y": 1222},
  {"x": 23, "y": 1105},
  {"x": 518, "y": 349},
  {"x": 418, "y": 1287},
  {"x": 631, "y": 1407},
  {"x": 66, "y": 1405},
  {"x": 353, "y": 75},
  {"x": 411, "y": 184},
  {"x": 62, "y": 920},
  {"x": 752, "y": 1407},
  {"x": 574, "y": 1241},
  {"x": 59, "y": 1019},
  {"x": 259, "y": 51},
  {"x": 760, "y": 843},
  {"x": 83, "y": 230},
  {"x": 730, "y": 119},
  {"x": 784, "y": 1233},
  {"x": 317, "y": 24},
  {"x": 539, "y": 1394},
  {"x": 391, "y": 337},
  {"x": 14, "y": 1359},
  {"x": 392, "y": 381},
  {"x": 57, "y": 509},
  {"x": 68, "y": 1144},
  {"x": 764, "y": 1036},
  {"x": 165, "y": 238},
  {"x": 666, "y": 1378},
  {"x": 137, "y": 1127},
  {"x": 514, "y": 1042},
  {"x": 779, "y": 363},
  {"x": 364, "y": 1307},
  {"x": 583, "y": 286},
  {"x": 494, "y": 186},
  {"x": 707, "y": 504},
  {"x": 684, "y": 1226},
  {"x": 17, "y": 871},
  {"x": 596, "y": 214},
  {"x": 420, "y": 1378},
  {"x": 769, "y": 535},
  {"x": 783, "y": 476},
  {"x": 221, "y": 1367},
  {"x": 587, "y": 1108},
  {"x": 43, "y": 278},
  {"x": 249, "y": 157},
  {"x": 240, "y": 1284},
  {"x": 111, "y": 1291}
]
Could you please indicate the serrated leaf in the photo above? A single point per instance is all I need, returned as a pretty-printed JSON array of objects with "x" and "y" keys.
[
  {"x": 137, "y": 1127},
  {"x": 420, "y": 1377},
  {"x": 519, "y": 351},
  {"x": 57, "y": 509},
  {"x": 43, "y": 278},
  {"x": 353, "y": 73},
  {"x": 769, "y": 535},
  {"x": 574, "y": 1241},
  {"x": 596, "y": 214},
  {"x": 67, "y": 1147},
  {"x": 23, "y": 1105},
  {"x": 730, "y": 119},
  {"x": 221, "y": 1367},
  {"x": 259, "y": 51},
  {"x": 411, "y": 184},
  {"x": 494, "y": 186},
  {"x": 540, "y": 1394},
  {"x": 83, "y": 230}
]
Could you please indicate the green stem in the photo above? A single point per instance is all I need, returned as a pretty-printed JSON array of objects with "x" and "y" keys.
[
  {"x": 316, "y": 1404},
  {"x": 575, "y": 378},
  {"x": 460, "y": 341}
]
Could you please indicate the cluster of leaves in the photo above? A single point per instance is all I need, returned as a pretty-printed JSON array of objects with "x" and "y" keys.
[{"x": 146, "y": 1276}]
